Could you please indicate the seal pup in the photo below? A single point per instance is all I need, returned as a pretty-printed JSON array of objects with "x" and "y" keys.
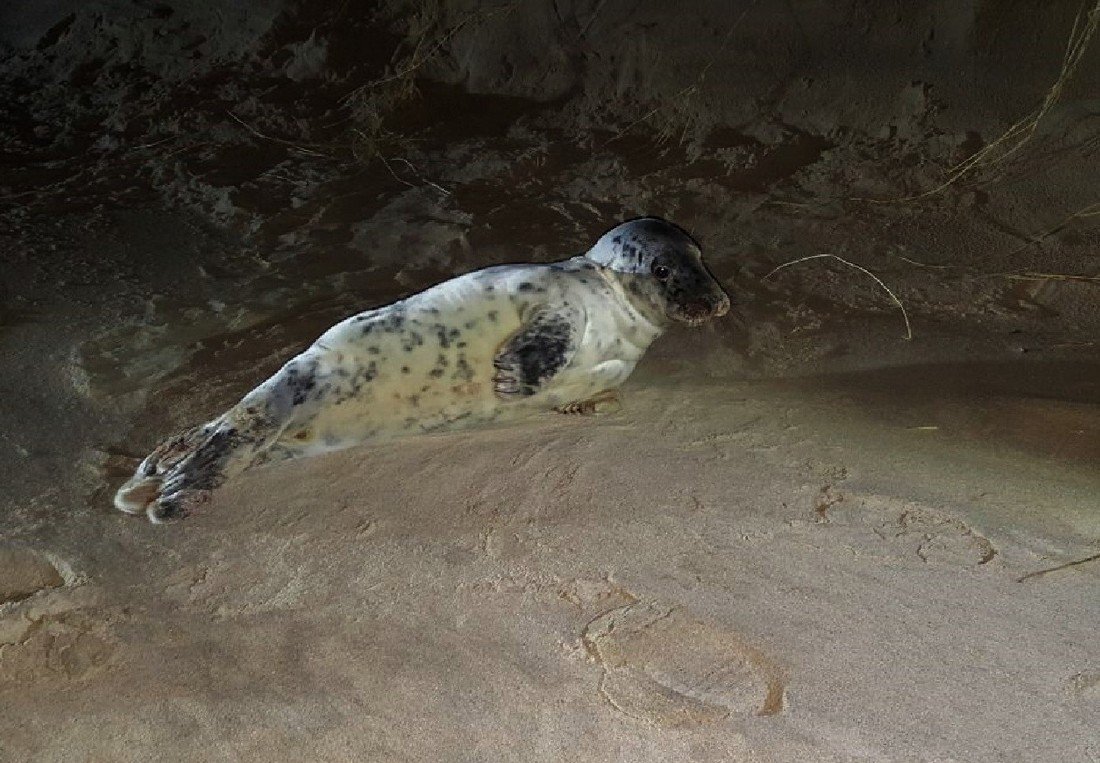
[{"x": 501, "y": 342}]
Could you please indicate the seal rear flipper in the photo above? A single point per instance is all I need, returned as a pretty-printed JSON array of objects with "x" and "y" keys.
[
  {"x": 144, "y": 486},
  {"x": 183, "y": 470},
  {"x": 541, "y": 348},
  {"x": 137, "y": 494},
  {"x": 169, "y": 453}
]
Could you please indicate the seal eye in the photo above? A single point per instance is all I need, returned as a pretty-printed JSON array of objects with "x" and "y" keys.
[{"x": 661, "y": 272}]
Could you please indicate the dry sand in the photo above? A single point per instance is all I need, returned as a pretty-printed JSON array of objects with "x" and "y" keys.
[{"x": 831, "y": 568}]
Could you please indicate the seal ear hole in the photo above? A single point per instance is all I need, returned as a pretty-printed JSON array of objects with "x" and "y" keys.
[{"x": 660, "y": 271}]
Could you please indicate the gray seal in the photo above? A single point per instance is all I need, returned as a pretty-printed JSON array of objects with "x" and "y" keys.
[{"x": 497, "y": 343}]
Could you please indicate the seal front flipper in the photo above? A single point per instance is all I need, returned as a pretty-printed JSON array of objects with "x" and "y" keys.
[
  {"x": 536, "y": 352},
  {"x": 607, "y": 401}
]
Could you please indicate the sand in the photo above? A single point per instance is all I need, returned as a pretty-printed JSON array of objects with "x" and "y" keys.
[
  {"x": 725, "y": 570},
  {"x": 803, "y": 538}
]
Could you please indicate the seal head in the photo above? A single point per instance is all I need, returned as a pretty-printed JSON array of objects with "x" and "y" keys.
[{"x": 661, "y": 269}]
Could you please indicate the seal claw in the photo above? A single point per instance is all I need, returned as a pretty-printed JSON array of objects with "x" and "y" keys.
[{"x": 607, "y": 401}]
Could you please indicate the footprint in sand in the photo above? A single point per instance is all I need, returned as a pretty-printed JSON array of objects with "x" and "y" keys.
[
  {"x": 664, "y": 667},
  {"x": 57, "y": 634},
  {"x": 24, "y": 572},
  {"x": 908, "y": 529}
]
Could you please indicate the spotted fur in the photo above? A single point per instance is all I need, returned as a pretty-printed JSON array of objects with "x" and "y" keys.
[{"x": 496, "y": 343}]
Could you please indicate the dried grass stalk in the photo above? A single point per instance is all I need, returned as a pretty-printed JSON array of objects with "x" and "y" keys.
[
  {"x": 1023, "y": 130},
  {"x": 860, "y": 268}
]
